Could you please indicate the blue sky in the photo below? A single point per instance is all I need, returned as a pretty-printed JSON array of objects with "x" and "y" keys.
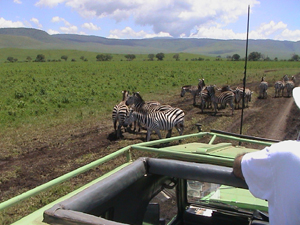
[{"x": 269, "y": 19}]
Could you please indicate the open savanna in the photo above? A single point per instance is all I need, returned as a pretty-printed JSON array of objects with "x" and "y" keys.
[
  {"x": 43, "y": 99},
  {"x": 56, "y": 116}
]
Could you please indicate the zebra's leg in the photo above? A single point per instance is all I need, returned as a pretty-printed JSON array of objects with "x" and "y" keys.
[
  {"x": 158, "y": 133},
  {"x": 202, "y": 105},
  {"x": 149, "y": 131},
  {"x": 115, "y": 125},
  {"x": 179, "y": 127},
  {"x": 169, "y": 133},
  {"x": 216, "y": 108},
  {"x": 231, "y": 105},
  {"x": 119, "y": 130}
]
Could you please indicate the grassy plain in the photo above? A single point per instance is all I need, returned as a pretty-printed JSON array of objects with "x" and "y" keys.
[{"x": 57, "y": 93}]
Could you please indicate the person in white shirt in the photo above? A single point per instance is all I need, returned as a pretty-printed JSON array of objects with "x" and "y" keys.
[{"x": 273, "y": 174}]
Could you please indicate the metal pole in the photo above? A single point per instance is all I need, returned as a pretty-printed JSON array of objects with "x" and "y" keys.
[{"x": 245, "y": 73}]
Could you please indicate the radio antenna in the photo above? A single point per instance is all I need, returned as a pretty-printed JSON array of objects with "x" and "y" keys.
[{"x": 245, "y": 72}]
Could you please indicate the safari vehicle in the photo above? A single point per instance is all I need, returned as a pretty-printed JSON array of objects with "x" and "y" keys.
[{"x": 186, "y": 183}]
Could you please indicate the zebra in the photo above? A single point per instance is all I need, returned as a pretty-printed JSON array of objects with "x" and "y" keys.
[
  {"x": 138, "y": 104},
  {"x": 223, "y": 98},
  {"x": 239, "y": 92},
  {"x": 205, "y": 99},
  {"x": 201, "y": 84},
  {"x": 290, "y": 84},
  {"x": 224, "y": 88},
  {"x": 194, "y": 90},
  {"x": 148, "y": 104},
  {"x": 119, "y": 114},
  {"x": 159, "y": 120},
  {"x": 280, "y": 86},
  {"x": 263, "y": 87}
]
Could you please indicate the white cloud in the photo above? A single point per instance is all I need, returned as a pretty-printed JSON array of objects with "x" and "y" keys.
[
  {"x": 50, "y": 31},
  {"x": 36, "y": 22},
  {"x": 69, "y": 30},
  {"x": 58, "y": 19},
  {"x": 270, "y": 28},
  {"x": 9, "y": 23},
  {"x": 130, "y": 33},
  {"x": 90, "y": 26},
  {"x": 49, "y": 3},
  {"x": 291, "y": 35},
  {"x": 216, "y": 32},
  {"x": 277, "y": 31},
  {"x": 175, "y": 17},
  {"x": 17, "y": 1}
]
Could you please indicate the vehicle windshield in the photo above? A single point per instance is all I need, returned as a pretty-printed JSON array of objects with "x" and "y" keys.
[{"x": 216, "y": 195}]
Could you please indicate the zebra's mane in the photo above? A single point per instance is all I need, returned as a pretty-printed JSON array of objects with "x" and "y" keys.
[
  {"x": 139, "y": 97},
  {"x": 125, "y": 95}
]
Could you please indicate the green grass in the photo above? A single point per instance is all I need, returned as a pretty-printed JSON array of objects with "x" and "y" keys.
[
  {"x": 43, "y": 96},
  {"x": 42, "y": 90},
  {"x": 22, "y": 54}
]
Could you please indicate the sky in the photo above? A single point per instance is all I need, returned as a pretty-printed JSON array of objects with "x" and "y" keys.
[{"x": 136, "y": 19}]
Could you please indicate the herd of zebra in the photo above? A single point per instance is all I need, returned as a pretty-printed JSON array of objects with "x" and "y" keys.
[
  {"x": 279, "y": 86},
  {"x": 210, "y": 95},
  {"x": 154, "y": 116},
  {"x": 150, "y": 114}
]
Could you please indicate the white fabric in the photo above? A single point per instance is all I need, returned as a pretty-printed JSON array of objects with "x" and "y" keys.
[
  {"x": 273, "y": 174},
  {"x": 296, "y": 96}
]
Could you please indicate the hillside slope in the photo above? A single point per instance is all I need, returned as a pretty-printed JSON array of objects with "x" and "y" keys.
[{"x": 29, "y": 38}]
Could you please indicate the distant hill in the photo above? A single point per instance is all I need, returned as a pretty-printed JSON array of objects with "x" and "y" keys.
[{"x": 29, "y": 38}]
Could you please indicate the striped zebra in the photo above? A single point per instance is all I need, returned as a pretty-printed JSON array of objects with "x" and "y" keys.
[
  {"x": 205, "y": 99},
  {"x": 119, "y": 114},
  {"x": 280, "y": 86},
  {"x": 201, "y": 84},
  {"x": 204, "y": 96},
  {"x": 159, "y": 120},
  {"x": 149, "y": 105},
  {"x": 263, "y": 87},
  {"x": 239, "y": 92},
  {"x": 166, "y": 114},
  {"x": 191, "y": 89},
  {"x": 138, "y": 104},
  {"x": 223, "y": 98},
  {"x": 289, "y": 85}
]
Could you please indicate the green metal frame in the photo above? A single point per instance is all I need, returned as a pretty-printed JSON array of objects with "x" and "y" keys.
[{"x": 146, "y": 147}]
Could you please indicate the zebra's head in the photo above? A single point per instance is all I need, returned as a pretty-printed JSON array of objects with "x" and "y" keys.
[
  {"x": 293, "y": 79},
  {"x": 130, "y": 118},
  {"x": 201, "y": 84},
  {"x": 183, "y": 90},
  {"x": 285, "y": 78},
  {"x": 134, "y": 99},
  {"x": 211, "y": 90},
  {"x": 125, "y": 95},
  {"x": 237, "y": 94}
]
